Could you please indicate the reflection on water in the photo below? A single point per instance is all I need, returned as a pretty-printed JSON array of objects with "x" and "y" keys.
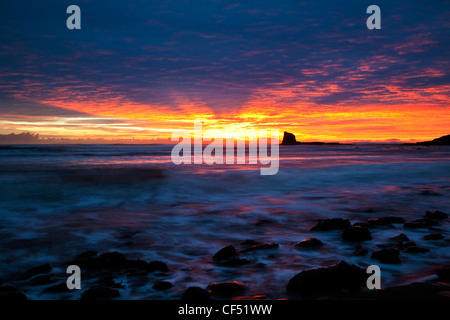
[{"x": 58, "y": 201}]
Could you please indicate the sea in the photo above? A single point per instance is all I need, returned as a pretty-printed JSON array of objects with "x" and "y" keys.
[{"x": 57, "y": 201}]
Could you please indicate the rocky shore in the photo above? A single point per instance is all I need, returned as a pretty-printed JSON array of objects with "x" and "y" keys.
[{"x": 113, "y": 271}]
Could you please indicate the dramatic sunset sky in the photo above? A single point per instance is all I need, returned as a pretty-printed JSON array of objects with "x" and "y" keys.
[{"x": 145, "y": 69}]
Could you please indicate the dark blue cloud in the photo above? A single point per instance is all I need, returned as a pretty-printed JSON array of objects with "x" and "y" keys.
[{"x": 217, "y": 52}]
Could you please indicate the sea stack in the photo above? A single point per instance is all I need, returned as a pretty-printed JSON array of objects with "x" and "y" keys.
[{"x": 288, "y": 139}]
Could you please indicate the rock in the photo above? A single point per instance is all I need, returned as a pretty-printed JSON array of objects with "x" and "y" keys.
[
  {"x": 400, "y": 238},
  {"x": 263, "y": 221},
  {"x": 195, "y": 294},
  {"x": 310, "y": 243},
  {"x": 388, "y": 256},
  {"x": 100, "y": 293},
  {"x": 436, "y": 215},
  {"x": 442, "y": 141},
  {"x": 57, "y": 288},
  {"x": 265, "y": 246},
  {"x": 11, "y": 293},
  {"x": 337, "y": 279},
  {"x": 228, "y": 288},
  {"x": 235, "y": 262},
  {"x": 41, "y": 280},
  {"x": 249, "y": 243},
  {"x": 139, "y": 273},
  {"x": 416, "y": 249},
  {"x": 162, "y": 285},
  {"x": 443, "y": 274},
  {"x": 157, "y": 266},
  {"x": 45, "y": 268},
  {"x": 244, "y": 298},
  {"x": 225, "y": 253},
  {"x": 288, "y": 139},
  {"x": 361, "y": 252},
  {"x": 385, "y": 221},
  {"x": 109, "y": 282},
  {"x": 356, "y": 234},
  {"x": 433, "y": 236},
  {"x": 331, "y": 224},
  {"x": 420, "y": 223},
  {"x": 404, "y": 245}
]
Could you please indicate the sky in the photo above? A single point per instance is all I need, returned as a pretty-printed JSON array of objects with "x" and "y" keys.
[{"x": 146, "y": 69}]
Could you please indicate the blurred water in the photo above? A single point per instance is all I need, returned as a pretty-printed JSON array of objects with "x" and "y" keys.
[{"x": 58, "y": 201}]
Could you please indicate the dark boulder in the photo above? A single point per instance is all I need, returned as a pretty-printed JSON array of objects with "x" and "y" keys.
[
  {"x": 162, "y": 285},
  {"x": 385, "y": 221},
  {"x": 436, "y": 215},
  {"x": 356, "y": 234},
  {"x": 443, "y": 274},
  {"x": 195, "y": 294},
  {"x": 416, "y": 249},
  {"x": 310, "y": 243},
  {"x": 100, "y": 293},
  {"x": 433, "y": 236},
  {"x": 331, "y": 224},
  {"x": 337, "y": 279},
  {"x": 11, "y": 293},
  {"x": 406, "y": 244},
  {"x": 228, "y": 288},
  {"x": 58, "y": 288},
  {"x": 157, "y": 266},
  {"x": 225, "y": 253},
  {"x": 400, "y": 238},
  {"x": 234, "y": 262},
  {"x": 41, "y": 280},
  {"x": 420, "y": 223},
  {"x": 45, "y": 268},
  {"x": 264, "y": 246},
  {"x": 388, "y": 256}
]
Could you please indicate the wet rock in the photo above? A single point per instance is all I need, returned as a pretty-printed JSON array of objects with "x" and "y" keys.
[
  {"x": 57, "y": 288},
  {"x": 385, "y": 221},
  {"x": 337, "y": 279},
  {"x": 162, "y": 285},
  {"x": 433, "y": 236},
  {"x": 436, "y": 215},
  {"x": 244, "y": 298},
  {"x": 443, "y": 274},
  {"x": 109, "y": 282},
  {"x": 264, "y": 246},
  {"x": 157, "y": 266},
  {"x": 41, "y": 280},
  {"x": 416, "y": 249},
  {"x": 45, "y": 268},
  {"x": 100, "y": 293},
  {"x": 195, "y": 294},
  {"x": 228, "y": 288},
  {"x": 420, "y": 223},
  {"x": 400, "y": 238},
  {"x": 139, "y": 273},
  {"x": 331, "y": 224},
  {"x": 235, "y": 262},
  {"x": 263, "y": 221},
  {"x": 225, "y": 253},
  {"x": 388, "y": 256},
  {"x": 356, "y": 234},
  {"x": 404, "y": 245},
  {"x": 249, "y": 243},
  {"x": 310, "y": 243},
  {"x": 361, "y": 252},
  {"x": 11, "y": 293}
]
